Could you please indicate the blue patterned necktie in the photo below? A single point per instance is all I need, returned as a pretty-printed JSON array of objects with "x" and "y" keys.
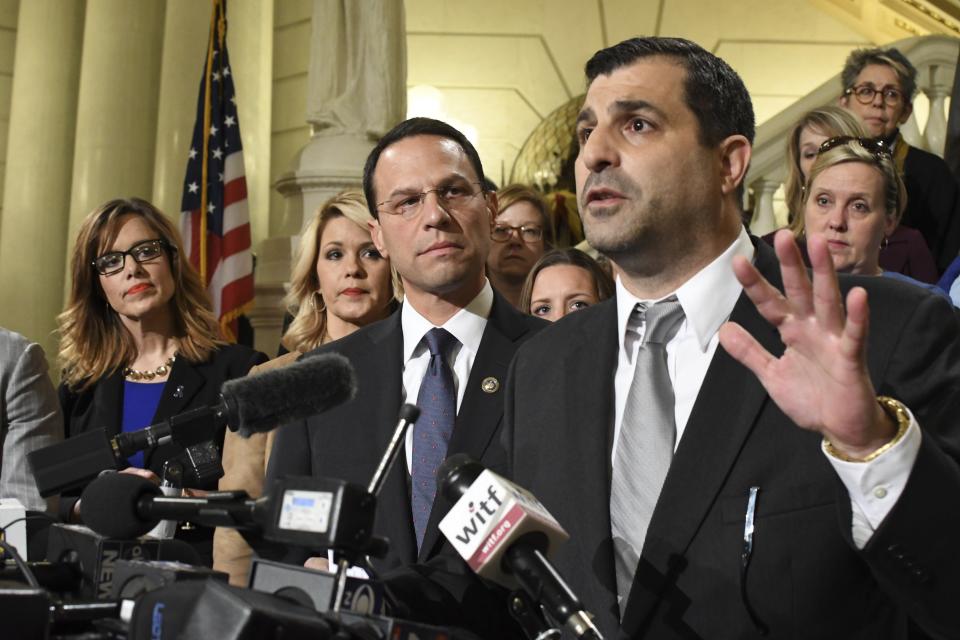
[{"x": 431, "y": 434}]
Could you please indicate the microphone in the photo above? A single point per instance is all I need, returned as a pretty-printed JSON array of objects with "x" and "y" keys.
[
  {"x": 312, "y": 385},
  {"x": 248, "y": 405},
  {"x": 124, "y": 506},
  {"x": 505, "y": 534},
  {"x": 316, "y": 513}
]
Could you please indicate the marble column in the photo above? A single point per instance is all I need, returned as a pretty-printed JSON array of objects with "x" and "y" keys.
[
  {"x": 185, "y": 32},
  {"x": 36, "y": 199},
  {"x": 117, "y": 106}
]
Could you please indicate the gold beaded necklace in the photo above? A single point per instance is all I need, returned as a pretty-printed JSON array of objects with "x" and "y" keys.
[{"x": 160, "y": 371}]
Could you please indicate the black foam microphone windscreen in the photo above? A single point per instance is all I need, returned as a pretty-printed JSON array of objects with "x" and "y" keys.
[
  {"x": 312, "y": 385},
  {"x": 110, "y": 505}
]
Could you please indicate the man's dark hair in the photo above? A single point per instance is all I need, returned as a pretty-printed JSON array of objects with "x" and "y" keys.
[
  {"x": 408, "y": 129},
  {"x": 859, "y": 59},
  {"x": 713, "y": 91}
]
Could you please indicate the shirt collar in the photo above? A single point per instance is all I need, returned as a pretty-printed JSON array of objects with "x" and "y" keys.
[
  {"x": 466, "y": 325},
  {"x": 707, "y": 298}
]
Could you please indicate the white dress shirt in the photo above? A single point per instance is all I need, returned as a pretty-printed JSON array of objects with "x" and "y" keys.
[
  {"x": 467, "y": 326},
  {"x": 707, "y": 300}
]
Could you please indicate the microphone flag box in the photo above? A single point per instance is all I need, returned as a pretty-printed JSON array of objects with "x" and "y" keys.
[
  {"x": 16, "y": 535},
  {"x": 98, "y": 555},
  {"x": 490, "y": 516}
]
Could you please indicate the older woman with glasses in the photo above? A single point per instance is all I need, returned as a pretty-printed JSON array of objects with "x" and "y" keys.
[
  {"x": 879, "y": 86},
  {"x": 521, "y": 233},
  {"x": 854, "y": 198},
  {"x": 139, "y": 342}
]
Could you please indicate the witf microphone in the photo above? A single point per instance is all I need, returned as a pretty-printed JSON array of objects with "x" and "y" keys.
[
  {"x": 503, "y": 532},
  {"x": 248, "y": 405}
]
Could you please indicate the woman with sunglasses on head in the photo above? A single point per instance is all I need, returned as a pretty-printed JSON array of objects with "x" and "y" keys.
[
  {"x": 139, "y": 342},
  {"x": 904, "y": 250},
  {"x": 522, "y": 232},
  {"x": 854, "y": 198},
  {"x": 340, "y": 282}
]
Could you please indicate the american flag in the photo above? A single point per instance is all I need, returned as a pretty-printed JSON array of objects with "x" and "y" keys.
[{"x": 214, "y": 219}]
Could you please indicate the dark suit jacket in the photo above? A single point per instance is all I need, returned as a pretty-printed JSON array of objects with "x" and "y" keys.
[
  {"x": 933, "y": 204},
  {"x": 190, "y": 386},
  {"x": 806, "y": 578},
  {"x": 905, "y": 251},
  {"x": 348, "y": 441}
]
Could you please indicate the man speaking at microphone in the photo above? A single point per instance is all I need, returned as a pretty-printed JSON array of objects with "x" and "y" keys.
[
  {"x": 731, "y": 461},
  {"x": 446, "y": 349}
]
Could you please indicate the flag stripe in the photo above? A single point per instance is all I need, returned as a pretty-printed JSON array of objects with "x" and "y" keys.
[
  {"x": 215, "y": 218},
  {"x": 235, "y": 216},
  {"x": 228, "y": 270},
  {"x": 233, "y": 167}
]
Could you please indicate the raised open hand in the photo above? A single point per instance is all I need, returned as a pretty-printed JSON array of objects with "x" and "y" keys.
[{"x": 821, "y": 380}]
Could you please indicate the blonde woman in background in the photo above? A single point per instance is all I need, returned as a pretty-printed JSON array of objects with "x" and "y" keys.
[
  {"x": 904, "y": 250},
  {"x": 340, "y": 282},
  {"x": 853, "y": 198},
  {"x": 805, "y": 138}
]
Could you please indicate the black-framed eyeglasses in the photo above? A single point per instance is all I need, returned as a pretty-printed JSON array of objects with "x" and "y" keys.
[
  {"x": 146, "y": 251},
  {"x": 452, "y": 197},
  {"x": 527, "y": 233},
  {"x": 876, "y": 147},
  {"x": 864, "y": 93}
]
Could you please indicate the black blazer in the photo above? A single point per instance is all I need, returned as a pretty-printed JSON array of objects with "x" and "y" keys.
[
  {"x": 933, "y": 204},
  {"x": 806, "y": 578},
  {"x": 190, "y": 386},
  {"x": 348, "y": 441}
]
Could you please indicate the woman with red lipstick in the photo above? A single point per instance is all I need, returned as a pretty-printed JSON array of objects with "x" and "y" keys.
[
  {"x": 139, "y": 342},
  {"x": 340, "y": 282},
  {"x": 853, "y": 198}
]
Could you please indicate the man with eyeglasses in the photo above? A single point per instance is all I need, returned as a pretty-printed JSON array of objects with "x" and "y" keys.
[
  {"x": 878, "y": 86},
  {"x": 446, "y": 349},
  {"x": 521, "y": 234}
]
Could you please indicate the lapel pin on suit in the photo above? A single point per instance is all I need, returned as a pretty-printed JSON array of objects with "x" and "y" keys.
[
  {"x": 178, "y": 392},
  {"x": 490, "y": 385}
]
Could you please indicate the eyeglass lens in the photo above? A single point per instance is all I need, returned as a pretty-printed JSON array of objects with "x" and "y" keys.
[
  {"x": 450, "y": 197},
  {"x": 502, "y": 233},
  {"x": 865, "y": 94},
  {"x": 113, "y": 261}
]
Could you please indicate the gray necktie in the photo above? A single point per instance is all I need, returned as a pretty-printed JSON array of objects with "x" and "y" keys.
[{"x": 647, "y": 436}]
